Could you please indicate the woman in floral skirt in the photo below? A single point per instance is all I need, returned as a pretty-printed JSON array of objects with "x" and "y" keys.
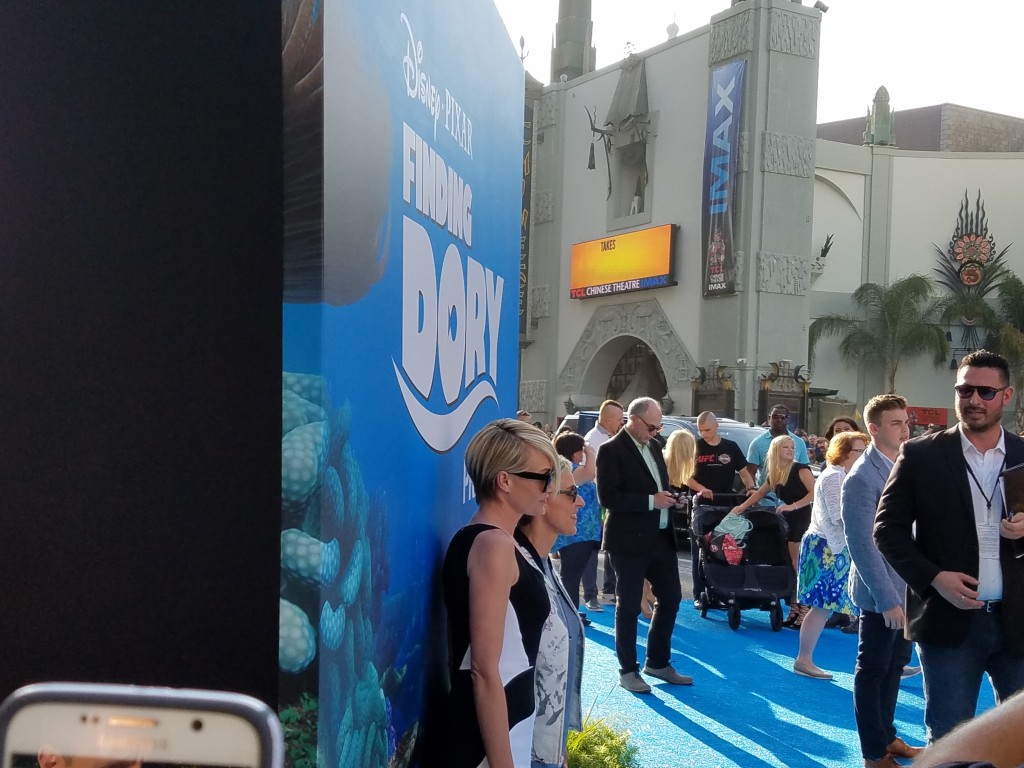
[{"x": 824, "y": 567}]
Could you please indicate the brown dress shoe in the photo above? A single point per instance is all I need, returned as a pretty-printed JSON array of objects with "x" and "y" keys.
[
  {"x": 883, "y": 762},
  {"x": 900, "y": 748}
]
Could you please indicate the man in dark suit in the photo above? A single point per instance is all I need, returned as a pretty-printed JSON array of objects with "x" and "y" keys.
[
  {"x": 942, "y": 527},
  {"x": 632, "y": 484}
]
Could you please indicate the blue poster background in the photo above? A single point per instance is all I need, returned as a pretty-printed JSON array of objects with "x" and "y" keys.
[
  {"x": 718, "y": 191},
  {"x": 412, "y": 349}
]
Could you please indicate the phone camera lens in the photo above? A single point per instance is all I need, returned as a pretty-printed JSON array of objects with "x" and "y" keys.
[{"x": 197, "y": 725}]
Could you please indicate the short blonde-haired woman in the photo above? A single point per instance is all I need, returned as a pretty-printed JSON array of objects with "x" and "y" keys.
[
  {"x": 793, "y": 484},
  {"x": 496, "y": 599},
  {"x": 560, "y": 657}
]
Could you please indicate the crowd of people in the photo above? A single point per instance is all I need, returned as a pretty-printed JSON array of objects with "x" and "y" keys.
[{"x": 913, "y": 537}]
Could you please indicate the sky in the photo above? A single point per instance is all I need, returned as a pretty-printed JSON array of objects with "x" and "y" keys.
[{"x": 925, "y": 52}]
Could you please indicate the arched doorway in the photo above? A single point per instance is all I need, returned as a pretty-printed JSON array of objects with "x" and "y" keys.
[
  {"x": 637, "y": 374},
  {"x": 619, "y": 343}
]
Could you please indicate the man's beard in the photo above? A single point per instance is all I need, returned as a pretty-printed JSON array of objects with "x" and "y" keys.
[{"x": 988, "y": 421}]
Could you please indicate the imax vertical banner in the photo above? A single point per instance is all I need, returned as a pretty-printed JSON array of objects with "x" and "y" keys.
[{"x": 721, "y": 148}]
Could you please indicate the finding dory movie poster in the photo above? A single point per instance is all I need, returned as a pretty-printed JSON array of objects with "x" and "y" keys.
[{"x": 403, "y": 152}]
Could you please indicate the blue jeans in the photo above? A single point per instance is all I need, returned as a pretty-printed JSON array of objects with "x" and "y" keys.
[
  {"x": 952, "y": 676},
  {"x": 881, "y": 655}
]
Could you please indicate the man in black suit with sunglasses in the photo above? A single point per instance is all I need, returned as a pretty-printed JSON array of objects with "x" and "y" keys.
[
  {"x": 632, "y": 484},
  {"x": 943, "y": 526}
]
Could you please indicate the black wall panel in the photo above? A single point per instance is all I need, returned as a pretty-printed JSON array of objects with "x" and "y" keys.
[{"x": 140, "y": 333}]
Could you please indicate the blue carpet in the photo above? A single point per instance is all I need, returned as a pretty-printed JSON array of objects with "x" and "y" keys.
[{"x": 746, "y": 707}]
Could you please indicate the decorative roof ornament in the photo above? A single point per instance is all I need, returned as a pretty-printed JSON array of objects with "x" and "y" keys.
[
  {"x": 969, "y": 267},
  {"x": 880, "y": 121}
]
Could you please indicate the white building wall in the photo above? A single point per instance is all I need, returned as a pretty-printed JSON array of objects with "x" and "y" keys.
[
  {"x": 927, "y": 190},
  {"x": 922, "y": 194}
]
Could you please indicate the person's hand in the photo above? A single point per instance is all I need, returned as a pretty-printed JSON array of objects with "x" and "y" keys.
[
  {"x": 1012, "y": 528},
  {"x": 784, "y": 508},
  {"x": 706, "y": 493},
  {"x": 664, "y": 500},
  {"x": 958, "y": 588},
  {"x": 736, "y": 511},
  {"x": 647, "y": 602},
  {"x": 895, "y": 618}
]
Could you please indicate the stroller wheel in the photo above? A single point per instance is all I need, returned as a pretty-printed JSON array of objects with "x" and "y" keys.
[
  {"x": 734, "y": 616},
  {"x": 776, "y": 617},
  {"x": 705, "y": 601}
]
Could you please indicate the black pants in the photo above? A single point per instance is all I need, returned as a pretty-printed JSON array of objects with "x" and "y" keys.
[{"x": 660, "y": 567}]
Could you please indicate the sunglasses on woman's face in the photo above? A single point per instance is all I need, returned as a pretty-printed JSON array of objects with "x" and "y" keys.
[
  {"x": 572, "y": 492},
  {"x": 966, "y": 391},
  {"x": 544, "y": 477}
]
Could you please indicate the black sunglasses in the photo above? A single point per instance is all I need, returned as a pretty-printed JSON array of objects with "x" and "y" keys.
[
  {"x": 544, "y": 477},
  {"x": 966, "y": 391},
  {"x": 572, "y": 493}
]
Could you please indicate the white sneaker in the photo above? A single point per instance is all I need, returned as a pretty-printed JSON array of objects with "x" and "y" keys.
[
  {"x": 594, "y": 605},
  {"x": 909, "y": 671},
  {"x": 633, "y": 683}
]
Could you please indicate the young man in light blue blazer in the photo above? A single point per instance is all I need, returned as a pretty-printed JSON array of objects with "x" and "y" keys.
[{"x": 879, "y": 592}]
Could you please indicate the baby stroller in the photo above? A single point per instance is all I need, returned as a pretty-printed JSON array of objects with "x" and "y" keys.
[{"x": 763, "y": 578}]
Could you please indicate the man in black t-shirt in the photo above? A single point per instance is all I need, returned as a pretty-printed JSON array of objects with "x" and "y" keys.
[{"x": 719, "y": 460}]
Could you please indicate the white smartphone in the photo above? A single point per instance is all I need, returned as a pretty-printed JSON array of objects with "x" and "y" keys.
[{"x": 79, "y": 725}]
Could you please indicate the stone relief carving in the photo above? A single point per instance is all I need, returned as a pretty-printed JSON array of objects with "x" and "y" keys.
[
  {"x": 744, "y": 155},
  {"x": 543, "y": 206},
  {"x": 783, "y": 377},
  {"x": 533, "y": 395},
  {"x": 792, "y": 33},
  {"x": 731, "y": 36},
  {"x": 786, "y": 273},
  {"x": 646, "y": 321},
  {"x": 540, "y": 301},
  {"x": 789, "y": 155},
  {"x": 741, "y": 271},
  {"x": 547, "y": 114}
]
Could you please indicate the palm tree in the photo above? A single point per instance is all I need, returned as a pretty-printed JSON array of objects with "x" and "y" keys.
[
  {"x": 1008, "y": 337},
  {"x": 896, "y": 322}
]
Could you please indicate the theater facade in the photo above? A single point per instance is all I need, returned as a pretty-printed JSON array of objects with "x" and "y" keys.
[{"x": 683, "y": 225}]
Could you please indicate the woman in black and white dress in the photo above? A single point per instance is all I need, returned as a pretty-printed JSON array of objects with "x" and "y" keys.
[{"x": 497, "y": 600}]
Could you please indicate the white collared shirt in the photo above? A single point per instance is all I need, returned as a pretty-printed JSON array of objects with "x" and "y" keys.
[
  {"x": 652, "y": 466},
  {"x": 986, "y": 467}
]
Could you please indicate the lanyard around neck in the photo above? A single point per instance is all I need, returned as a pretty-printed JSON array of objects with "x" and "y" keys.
[{"x": 977, "y": 484}]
